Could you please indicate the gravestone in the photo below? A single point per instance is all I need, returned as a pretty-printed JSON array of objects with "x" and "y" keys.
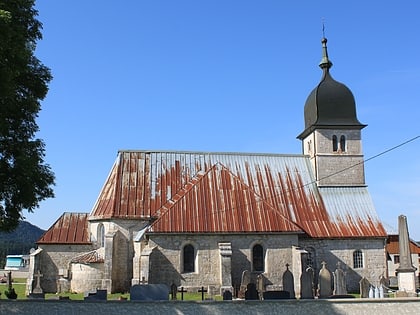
[
  {"x": 245, "y": 280},
  {"x": 289, "y": 282},
  {"x": 260, "y": 285},
  {"x": 98, "y": 295},
  {"x": 38, "y": 289},
  {"x": 149, "y": 292},
  {"x": 324, "y": 285},
  {"x": 371, "y": 294},
  {"x": 227, "y": 295},
  {"x": 211, "y": 292},
  {"x": 202, "y": 291},
  {"x": 276, "y": 295},
  {"x": 406, "y": 271},
  {"x": 376, "y": 290},
  {"x": 182, "y": 293},
  {"x": 339, "y": 281},
  {"x": 251, "y": 292},
  {"x": 307, "y": 284},
  {"x": 364, "y": 287},
  {"x": 174, "y": 291}
]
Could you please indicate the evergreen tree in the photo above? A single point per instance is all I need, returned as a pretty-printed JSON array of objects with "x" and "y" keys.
[{"x": 25, "y": 179}]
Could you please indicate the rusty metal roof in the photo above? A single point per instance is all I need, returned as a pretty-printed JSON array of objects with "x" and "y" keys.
[
  {"x": 88, "y": 258},
  {"x": 70, "y": 228},
  {"x": 230, "y": 192},
  {"x": 393, "y": 246}
]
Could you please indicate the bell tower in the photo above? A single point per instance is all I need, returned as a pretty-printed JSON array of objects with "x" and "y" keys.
[{"x": 332, "y": 135}]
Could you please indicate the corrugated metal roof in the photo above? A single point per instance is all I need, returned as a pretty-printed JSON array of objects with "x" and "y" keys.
[
  {"x": 88, "y": 258},
  {"x": 230, "y": 192},
  {"x": 350, "y": 212},
  {"x": 70, "y": 228}
]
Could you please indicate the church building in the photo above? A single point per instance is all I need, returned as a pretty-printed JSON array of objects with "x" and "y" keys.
[{"x": 203, "y": 218}]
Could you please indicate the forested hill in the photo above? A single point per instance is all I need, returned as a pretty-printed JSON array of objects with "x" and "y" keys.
[{"x": 20, "y": 241}]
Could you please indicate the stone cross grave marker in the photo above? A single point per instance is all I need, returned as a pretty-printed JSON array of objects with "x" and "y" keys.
[
  {"x": 289, "y": 282},
  {"x": 202, "y": 291},
  {"x": 38, "y": 288},
  {"x": 364, "y": 287},
  {"x": 307, "y": 284},
  {"x": 149, "y": 292},
  {"x": 324, "y": 284},
  {"x": 339, "y": 281},
  {"x": 182, "y": 293}
]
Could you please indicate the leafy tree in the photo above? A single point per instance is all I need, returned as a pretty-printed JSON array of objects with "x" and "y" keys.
[{"x": 25, "y": 179}]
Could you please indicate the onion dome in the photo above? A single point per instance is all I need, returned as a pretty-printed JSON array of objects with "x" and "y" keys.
[{"x": 331, "y": 104}]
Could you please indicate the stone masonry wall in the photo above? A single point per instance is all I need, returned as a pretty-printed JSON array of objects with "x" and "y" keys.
[
  {"x": 55, "y": 258},
  {"x": 341, "y": 250},
  {"x": 166, "y": 259}
]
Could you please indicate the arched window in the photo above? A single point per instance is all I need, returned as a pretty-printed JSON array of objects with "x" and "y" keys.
[
  {"x": 258, "y": 258},
  {"x": 101, "y": 235},
  {"x": 188, "y": 258},
  {"x": 343, "y": 143},
  {"x": 335, "y": 143},
  {"x": 357, "y": 259}
]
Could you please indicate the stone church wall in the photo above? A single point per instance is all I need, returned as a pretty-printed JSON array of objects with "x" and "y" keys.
[
  {"x": 341, "y": 250},
  {"x": 166, "y": 258},
  {"x": 86, "y": 277},
  {"x": 54, "y": 261}
]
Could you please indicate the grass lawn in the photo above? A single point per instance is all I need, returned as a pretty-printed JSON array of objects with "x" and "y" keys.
[{"x": 20, "y": 286}]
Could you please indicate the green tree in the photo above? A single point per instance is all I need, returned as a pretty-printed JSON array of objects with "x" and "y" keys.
[{"x": 25, "y": 178}]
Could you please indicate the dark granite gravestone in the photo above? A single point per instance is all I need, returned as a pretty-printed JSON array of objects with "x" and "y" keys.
[
  {"x": 251, "y": 292},
  {"x": 289, "y": 282},
  {"x": 227, "y": 295},
  {"x": 364, "y": 287},
  {"x": 276, "y": 295},
  {"x": 98, "y": 295},
  {"x": 149, "y": 292},
  {"x": 307, "y": 284},
  {"x": 174, "y": 291}
]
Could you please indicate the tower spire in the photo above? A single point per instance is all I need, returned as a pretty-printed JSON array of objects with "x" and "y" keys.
[{"x": 325, "y": 62}]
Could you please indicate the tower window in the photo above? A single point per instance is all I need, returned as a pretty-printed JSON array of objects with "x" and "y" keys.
[
  {"x": 357, "y": 259},
  {"x": 188, "y": 258},
  {"x": 335, "y": 143},
  {"x": 258, "y": 258},
  {"x": 343, "y": 143}
]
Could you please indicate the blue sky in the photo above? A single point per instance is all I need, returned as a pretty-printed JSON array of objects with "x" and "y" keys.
[{"x": 223, "y": 76}]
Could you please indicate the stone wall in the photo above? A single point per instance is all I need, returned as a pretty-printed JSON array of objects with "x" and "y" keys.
[
  {"x": 325, "y": 162},
  {"x": 86, "y": 277},
  {"x": 54, "y": 260},
  {"x": 166, "y": 258},
  {"x": 333, "y": 307},
  {"x": 341, "y": 250}
]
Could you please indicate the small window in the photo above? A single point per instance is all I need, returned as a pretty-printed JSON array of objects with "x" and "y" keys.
[
  {"x": 101, "y": 235},
  {"x": 335, "y": 143},
  {"x": 189, "y": 258},
  {"x": 357, "y": 259},
  {"x": 258, "y": 258},
  {"x": 343, "y": 143},
  {"x": 396, "y": 259}
]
